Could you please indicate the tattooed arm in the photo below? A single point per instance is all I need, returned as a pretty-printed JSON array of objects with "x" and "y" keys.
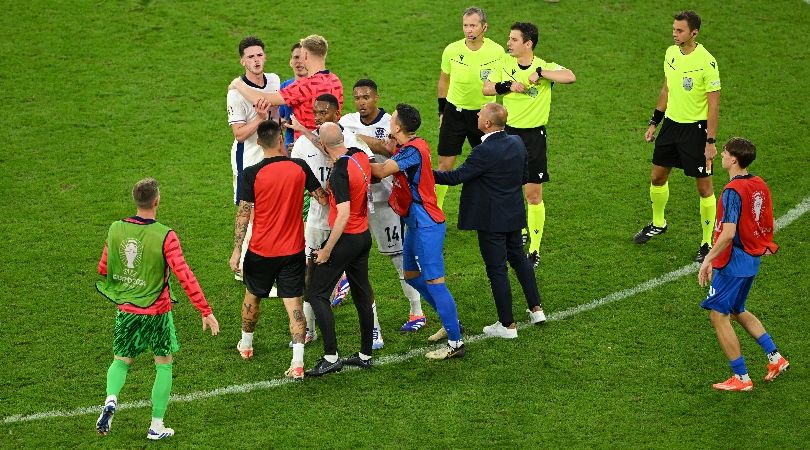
[{"x": 243, "y": 216}]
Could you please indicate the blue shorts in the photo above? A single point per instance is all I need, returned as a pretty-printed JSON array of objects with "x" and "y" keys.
[
  {"x": 423, "y": 249},
  {"x": 727, "y": 295}
]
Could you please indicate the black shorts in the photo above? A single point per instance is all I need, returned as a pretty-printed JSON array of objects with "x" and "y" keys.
[
  {"x": 260, "y": 273},
  {"x": 682, "y": 145},
  {"x": 458, "y": 124},
  {"x": 535, "y": 141}
]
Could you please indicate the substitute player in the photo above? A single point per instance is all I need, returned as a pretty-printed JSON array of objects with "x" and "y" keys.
[
  {"x": 136, "y": 260},
  {"x": 271, "y": 194},
  {"x": 465, "y": 66},
  {"x": 301, "y": 94},
  {"x": 689, "y": 105},
  {"x": 414, "y": 199},
  {"x": 525, "y": 81},
  {"x": 244, "y": 116},
  {"x": 372, "y": 124},
  {"x": 743, "y": 233}
]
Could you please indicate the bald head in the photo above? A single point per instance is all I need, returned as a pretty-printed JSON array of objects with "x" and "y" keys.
[
  {"x": 331, "y": 135},
  {"x": 492, "y": 118}
]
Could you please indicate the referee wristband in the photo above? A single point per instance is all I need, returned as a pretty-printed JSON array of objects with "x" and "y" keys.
[
  {"x": 503, "y": 87},
  {"x": 540, "y": 72},
  {"x": 657, "y": 117},
  {"x": 442, "y": 104}
]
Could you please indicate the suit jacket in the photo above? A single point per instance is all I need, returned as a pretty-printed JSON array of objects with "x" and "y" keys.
[{"x": 493, "y": 176}]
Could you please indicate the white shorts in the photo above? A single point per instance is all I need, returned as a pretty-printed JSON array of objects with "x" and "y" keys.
[
  {"x": 386, "y": 228},
  {"x": 314, "y": 238}
]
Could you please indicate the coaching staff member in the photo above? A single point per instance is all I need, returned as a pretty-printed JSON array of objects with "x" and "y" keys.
[
  {"x": 466, "y": 64},
  {"x": 525, "y": 81},
  {"x": 492, "y": 203},
  {"x": 689, "y": 104},
  {"x": 346, "y": 250}
]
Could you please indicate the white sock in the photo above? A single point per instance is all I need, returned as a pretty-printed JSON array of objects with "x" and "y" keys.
[
  {"x": 331, "y": 358},
  {"x": 455, "y": 344},
  {"x": 376, "y": 321},
  {"x": 410, "y": 293},
  {"x": 309, "y": 314},
  {"x": 298, "y": 355},
  {"x": 773, "y": 357},
  {"x": 157, "y": 424},
  {"x": 247, "y": 340},
  {"x": 363, "y": 356},
  {"x": 744, "y": 378},
  {"x": 111, "y": 398}
]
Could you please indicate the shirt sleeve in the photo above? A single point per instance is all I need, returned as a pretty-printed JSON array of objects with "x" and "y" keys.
[
  {"x": 339, "y": 181},
  {"x": 311, "y": 182},
  {"x": 496, "y": 74},
  {"x": 102, "y": 263},
  {"x": 711, "y": 75},
  {"x": 446, "y": 60},
  {"x": 295, "y": 93},
  {"x": 246, "y": 192},
  {"x": 174, "y": 257},
  {"x": 732, "y": 206},
  {"x": 407, "y": 157},
  {"x": 236, "y": 108}
]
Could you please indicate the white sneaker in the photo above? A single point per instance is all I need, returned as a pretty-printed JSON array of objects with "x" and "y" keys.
[
  {"x": 377, "y": 343},
  {"x": 438, "y": 336},
  {"x": 156, "y": 434},
  {"x": 498, "y": 330},
  {"x": 536, "y": 317}
]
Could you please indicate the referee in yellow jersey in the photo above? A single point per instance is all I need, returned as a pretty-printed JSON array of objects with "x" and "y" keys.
[
  {"x": 525, "y": 81},
  {"x": 689, "y": 105},
  {"x": 465, "y": 66}
]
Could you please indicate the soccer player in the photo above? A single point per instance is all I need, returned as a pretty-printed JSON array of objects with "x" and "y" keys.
[
  {"x": 244, "y": 116},
  {"x": 285, "y": 112},
  {"x": 689, "y": 105},
  {"x": 372, "y": 125},
  {"x": 136, "y": 260},
  {"x": 466, "y": 64},
  {"x": 414, "y": 199},
  {"x": 742, "y": 234},
  {"x": 301, "y": 94},
  {"x": 525, "y": 81},
  {"x": 271, "y": 194},
  {"x": 346, "y": 250}
]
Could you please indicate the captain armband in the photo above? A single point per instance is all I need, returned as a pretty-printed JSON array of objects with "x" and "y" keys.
[{"x": 503, "y": 87}]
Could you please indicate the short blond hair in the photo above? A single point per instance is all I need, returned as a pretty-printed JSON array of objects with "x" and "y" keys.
[
  {"x": 315, "y": 44},
  {"x": 145, "y": 192}
]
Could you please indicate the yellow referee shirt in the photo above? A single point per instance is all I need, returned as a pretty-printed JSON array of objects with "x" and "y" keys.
[
  {"x": 689, "y": 78},
  {"x": 528, "y": 109},
  {"x": 468, "y": 70}
]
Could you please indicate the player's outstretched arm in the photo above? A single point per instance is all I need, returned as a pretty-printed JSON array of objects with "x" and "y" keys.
[
  {"x": 253, "y": 96},
  {"x": 381, "y": 171},
  {"x": 211, "y": 321}
]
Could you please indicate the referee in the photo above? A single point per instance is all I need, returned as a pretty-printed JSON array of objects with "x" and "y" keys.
[
  {"x": 465, "y": 66},
  {"x": 689, "y": 104},
  {"x": 525, "y": 81}
]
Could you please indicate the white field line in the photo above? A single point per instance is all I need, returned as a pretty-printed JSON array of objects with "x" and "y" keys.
[{"x": 787, "y": 219}]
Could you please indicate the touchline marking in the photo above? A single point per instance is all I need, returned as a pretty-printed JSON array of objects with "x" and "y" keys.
[{"x": 788, "y": 218}]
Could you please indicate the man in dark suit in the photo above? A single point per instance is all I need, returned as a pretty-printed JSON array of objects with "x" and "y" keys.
[{"x": 492, "y": 203}]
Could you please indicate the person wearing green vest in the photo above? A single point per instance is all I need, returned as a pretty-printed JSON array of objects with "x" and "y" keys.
[{"x": 136, "y": 260}]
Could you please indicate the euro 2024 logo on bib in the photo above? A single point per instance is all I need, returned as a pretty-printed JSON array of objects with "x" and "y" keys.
[
  {"x": 757, "y": 201},
  {"x": 485, "y": 74},
  {"x": 131, "y": 253},
  {"x": 688, "y": 83}
]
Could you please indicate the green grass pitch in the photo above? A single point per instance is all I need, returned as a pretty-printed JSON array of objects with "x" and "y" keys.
[{"x": 96, "y": 95}]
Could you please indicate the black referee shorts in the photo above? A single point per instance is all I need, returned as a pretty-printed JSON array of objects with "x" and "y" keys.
[
  {"x": 458, "y": 124},
  {"x": 260, "y": 273},
  {"x": 682, "y": 145},
  {"x": 535, "y": 141}
]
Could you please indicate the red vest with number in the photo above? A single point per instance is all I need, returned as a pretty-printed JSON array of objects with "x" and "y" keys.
[
  {"x": 401, "y": 196},
  {"x": 755, "y": 227}
]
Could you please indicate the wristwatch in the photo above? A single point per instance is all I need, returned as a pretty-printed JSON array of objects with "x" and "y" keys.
[{"x": 711, "y": 140}]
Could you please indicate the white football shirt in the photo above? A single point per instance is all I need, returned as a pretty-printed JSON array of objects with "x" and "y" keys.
[
  {"x": 248, "y": 153},
  {"x": 379, "y": 128}
]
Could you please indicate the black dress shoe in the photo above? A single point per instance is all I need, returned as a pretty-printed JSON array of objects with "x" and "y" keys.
[
  {"x": 322, "y": 367},
  {"x": 356, "y": 360}
]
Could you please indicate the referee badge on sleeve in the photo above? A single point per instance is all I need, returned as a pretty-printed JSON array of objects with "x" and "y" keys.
[
  {"x": 485, "y": 74},
  {"x": 687, "y": 83}
]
